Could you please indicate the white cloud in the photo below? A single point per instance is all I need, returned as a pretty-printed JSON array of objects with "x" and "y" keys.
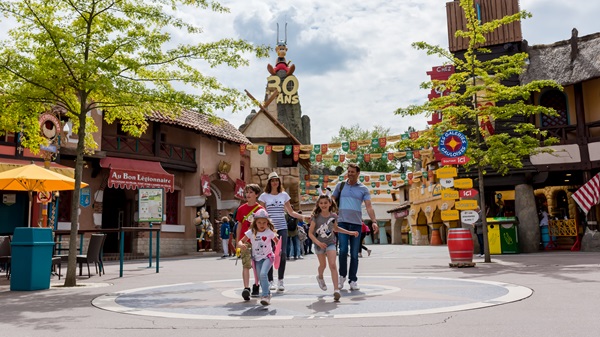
[
  {"x": 374, "y": 70},
  {"x": 353, "y": 58}
]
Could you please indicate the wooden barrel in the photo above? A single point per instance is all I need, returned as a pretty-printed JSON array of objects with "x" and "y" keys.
[{"x": 460, "y": 245}]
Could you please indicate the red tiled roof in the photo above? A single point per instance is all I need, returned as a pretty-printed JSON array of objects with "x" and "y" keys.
[{"x": 200, "y": 122}]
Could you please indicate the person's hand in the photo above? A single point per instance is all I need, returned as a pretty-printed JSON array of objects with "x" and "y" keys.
[
  {"x": 375, "y": 227},
  {"x": 321, "y": 245},
  {"x": 355, "y": 234}
]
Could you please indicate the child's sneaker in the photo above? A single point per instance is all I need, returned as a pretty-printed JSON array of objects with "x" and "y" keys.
[
  {"x": 322, "y": 284},
  {"x": 265, "y": 300},
  {"x": 280, "y": 286},
  {"x": 341, "y": 282},
  {"x": 336, "y": 296},
  {"x": 272, "y": 285},
  {"x": 255, "y": 290},
  {"x": 354, "y": 285},
  {"x": 246, "y": 294}
]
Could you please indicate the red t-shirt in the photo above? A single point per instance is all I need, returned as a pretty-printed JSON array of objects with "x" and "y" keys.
[{"x": 241, "y": 214}]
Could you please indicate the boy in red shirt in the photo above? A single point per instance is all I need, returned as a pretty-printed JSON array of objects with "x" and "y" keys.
[{"x": 244, "y": 218}]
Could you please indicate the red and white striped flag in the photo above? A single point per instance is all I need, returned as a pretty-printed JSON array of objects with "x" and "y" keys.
[{"x": 588, "y": 195}]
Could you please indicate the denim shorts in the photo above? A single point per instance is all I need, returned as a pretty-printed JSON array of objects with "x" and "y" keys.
[{"x": 319, "y": 250}]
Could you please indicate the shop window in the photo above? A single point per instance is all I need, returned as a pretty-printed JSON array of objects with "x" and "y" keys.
[
  {"x": 242, "y": 172},
  {"x": 172, "y": 207},
  {"x": 557, "y": 100}
]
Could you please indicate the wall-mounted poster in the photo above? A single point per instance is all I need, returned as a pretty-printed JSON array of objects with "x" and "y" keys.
[{"x": 150, "y": 205}]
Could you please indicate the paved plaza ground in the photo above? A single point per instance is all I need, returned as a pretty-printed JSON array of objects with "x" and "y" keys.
[{"x": 405, "y": 291}]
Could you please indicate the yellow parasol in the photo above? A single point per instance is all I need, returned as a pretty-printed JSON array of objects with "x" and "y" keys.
[{"x": 33, "y": 178}]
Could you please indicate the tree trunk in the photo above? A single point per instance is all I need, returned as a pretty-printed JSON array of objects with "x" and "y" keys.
[
  {"x": 528, "y": 228},
  {"x": 70, "y": 279}
]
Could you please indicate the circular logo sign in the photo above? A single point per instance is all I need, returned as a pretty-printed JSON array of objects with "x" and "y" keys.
[{"x": 453, "y": 144}]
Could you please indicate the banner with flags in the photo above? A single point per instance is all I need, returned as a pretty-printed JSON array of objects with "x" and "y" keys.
[{"x": 588, "y": 195}]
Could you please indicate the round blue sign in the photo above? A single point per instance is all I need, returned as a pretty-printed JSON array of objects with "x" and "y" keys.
[{"x": 453, "y": 144}]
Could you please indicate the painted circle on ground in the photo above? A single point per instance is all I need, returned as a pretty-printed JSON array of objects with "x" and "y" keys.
[{"x": 379, "y": 296}]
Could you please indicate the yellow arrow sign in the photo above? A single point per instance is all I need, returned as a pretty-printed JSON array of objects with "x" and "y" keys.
[
  {"x": 449, "y": 194},
  {"x": 463, "y": 183},
  {"x": 450, "y": 215},
  {"x": 446, "y": 172},
  {"x": 465, "y": 204}
]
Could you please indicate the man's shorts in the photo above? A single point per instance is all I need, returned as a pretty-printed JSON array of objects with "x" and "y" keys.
[{"x": 246, "y": 256}]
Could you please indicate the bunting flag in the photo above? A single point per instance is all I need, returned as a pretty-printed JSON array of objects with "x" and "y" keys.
[{"x": 324, "y": 152}]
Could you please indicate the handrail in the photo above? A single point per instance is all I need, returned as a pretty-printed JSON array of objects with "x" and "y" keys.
[{"x": 121, "y": 232}]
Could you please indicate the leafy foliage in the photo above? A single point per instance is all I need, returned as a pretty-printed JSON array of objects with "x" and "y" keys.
[
  {"x": 476, "y": 83},
  {"x": 354, "y": 132},
  {"x": 115, "y": 56}
]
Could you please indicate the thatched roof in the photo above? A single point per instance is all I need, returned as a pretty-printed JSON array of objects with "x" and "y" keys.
[
  {"x": 200, "y": 122},
  {"x": 566, "y": 62}
]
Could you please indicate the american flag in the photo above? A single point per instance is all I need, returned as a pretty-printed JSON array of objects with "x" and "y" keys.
[{"x": 588, "y": 195}]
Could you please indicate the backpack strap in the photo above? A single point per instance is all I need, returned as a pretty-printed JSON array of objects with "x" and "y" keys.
[{"x": 339, "y": 198}]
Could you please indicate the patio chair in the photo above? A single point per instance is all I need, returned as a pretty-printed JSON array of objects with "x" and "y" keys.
[
  {"x": 94, "y": 254},
  {"x": 5, "y": 253}
]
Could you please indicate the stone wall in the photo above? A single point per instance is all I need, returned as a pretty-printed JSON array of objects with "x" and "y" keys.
[
  {"x": 290, "y": 177},
  {"x": 168, "y": 246}
]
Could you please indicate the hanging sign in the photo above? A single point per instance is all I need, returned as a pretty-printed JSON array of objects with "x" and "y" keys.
[
  {"x": 85, "y": 196},
  {"x": 446, "y": 172},
  {"x": 44, "y": 197},
  {"x": 449, "y": 194},
  {"x": 453, "y": 144},
  {"x": 450, "y": 215},
  {"x": 461, "y": 160},
  {"x": 469, "y": 217},
  {"x": 447, "y": 182},
  {"x": 466, "y": 204},
  {"x": 468, "y": 193},
  {"x": 463, "y": 183}
]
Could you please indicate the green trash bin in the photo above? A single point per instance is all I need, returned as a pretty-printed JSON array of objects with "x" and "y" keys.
[
  {"x": 507, "y": 233},
  {"x": 31, "y": 259}
]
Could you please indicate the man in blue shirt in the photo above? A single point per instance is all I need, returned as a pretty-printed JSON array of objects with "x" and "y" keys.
[{"x": 350, "y": 199}]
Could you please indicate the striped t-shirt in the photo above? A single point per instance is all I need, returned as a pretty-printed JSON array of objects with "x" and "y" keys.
[{"x": 275, "y": 205}]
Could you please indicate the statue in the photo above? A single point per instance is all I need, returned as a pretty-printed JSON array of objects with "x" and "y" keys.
[{"x": 281, "y": 51}]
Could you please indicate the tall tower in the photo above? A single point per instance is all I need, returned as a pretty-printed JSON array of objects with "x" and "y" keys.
[{"x": 286, "y": 108}]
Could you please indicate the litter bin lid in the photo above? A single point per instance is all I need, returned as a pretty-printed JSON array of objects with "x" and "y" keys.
[
  {"x": 503, "y": 219},
  {"x": 32, "y": 236}
]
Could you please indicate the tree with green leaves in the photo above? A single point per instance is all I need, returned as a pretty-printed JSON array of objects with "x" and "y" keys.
[
  {"x": 479, "y": 96},
  {"x": 354, "y": 132},
  {"x": 114, "y": 56}
]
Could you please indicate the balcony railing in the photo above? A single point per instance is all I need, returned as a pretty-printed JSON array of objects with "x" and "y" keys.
[
  {"x": 567, "y": 134},
  {"x": 145, "y": 147}
]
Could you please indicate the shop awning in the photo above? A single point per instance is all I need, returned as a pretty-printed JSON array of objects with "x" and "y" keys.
[
  {"x": 9, "y": 164},
  {"x": 131, "y": 174}
]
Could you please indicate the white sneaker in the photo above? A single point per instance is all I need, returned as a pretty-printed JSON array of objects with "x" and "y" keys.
[
  {"x": 354, "y": 285},
  {"x": 341, "y": 282},
  {"x": 272, "y": 285},
  {"x": 265, "y": 300},
  {"x": 322, "y": 284},
  {"x": 280, "y": 286}
]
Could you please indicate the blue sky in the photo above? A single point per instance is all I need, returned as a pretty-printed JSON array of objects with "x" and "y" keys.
[{"x": 353, "y": 58}]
